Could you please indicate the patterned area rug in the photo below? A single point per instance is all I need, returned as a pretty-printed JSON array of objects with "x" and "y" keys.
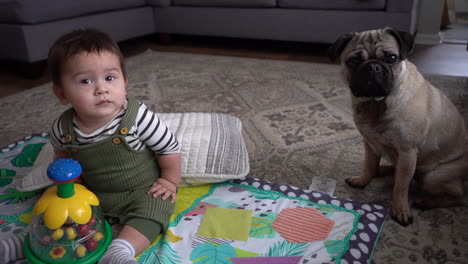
[{"x": 297, "y": 124}]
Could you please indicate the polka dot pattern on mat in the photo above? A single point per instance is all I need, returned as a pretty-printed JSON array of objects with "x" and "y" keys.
[{"x": 372, "y": 217}]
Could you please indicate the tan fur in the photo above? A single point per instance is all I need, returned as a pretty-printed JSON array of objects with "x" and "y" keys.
[{"x": 416, "y": 128}]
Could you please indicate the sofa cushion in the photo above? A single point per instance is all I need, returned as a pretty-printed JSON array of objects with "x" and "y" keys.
[
  {"x": 334, "y": 4},
  {"x": 37, "y": 11},
  {"x": 226, "y": 3}
]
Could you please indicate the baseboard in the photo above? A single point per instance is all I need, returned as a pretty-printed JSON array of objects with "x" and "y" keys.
[{"x": 429, "y": 39}]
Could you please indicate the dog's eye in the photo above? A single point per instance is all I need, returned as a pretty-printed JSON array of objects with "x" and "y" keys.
[
  {"x": 391, "y": 59},
  {"x": 353, "y": 62}
]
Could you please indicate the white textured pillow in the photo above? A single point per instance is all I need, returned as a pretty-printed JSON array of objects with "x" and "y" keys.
[{"x": 212, "y": 149}]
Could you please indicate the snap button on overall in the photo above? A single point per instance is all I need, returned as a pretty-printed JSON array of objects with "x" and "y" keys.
[
  {"x": 68, "y": 138},
  {"x": 124, "y": 131},
  {"x": 116, "y": 140}
]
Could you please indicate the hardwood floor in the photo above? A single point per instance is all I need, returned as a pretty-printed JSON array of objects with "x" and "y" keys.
[{"x": 444, "y": 59}]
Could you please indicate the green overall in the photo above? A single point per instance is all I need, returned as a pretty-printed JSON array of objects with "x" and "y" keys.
[{"x": 120, "y": 176}]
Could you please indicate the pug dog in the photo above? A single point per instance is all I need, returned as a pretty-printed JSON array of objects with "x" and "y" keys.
[{"x": 404, "y": 119}]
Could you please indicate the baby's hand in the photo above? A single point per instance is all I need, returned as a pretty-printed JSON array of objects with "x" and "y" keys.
[{"x": 165, "y": 188}]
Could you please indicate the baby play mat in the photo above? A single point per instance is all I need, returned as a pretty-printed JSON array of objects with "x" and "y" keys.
[{"x": 239, "y": 221}]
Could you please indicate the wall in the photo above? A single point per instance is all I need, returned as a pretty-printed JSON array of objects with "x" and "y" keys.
[{"x": 461, "y": 6}]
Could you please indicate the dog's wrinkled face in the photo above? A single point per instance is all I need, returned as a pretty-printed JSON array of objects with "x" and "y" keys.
[
  {"x": 371, "y": 64},
  {"x": 371, "y": 61}
]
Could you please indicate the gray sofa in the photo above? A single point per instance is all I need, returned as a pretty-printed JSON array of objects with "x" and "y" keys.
[{"x": 29, "y": 27}]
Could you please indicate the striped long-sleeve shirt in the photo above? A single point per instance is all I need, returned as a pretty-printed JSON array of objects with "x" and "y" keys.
[{"x": 147, "y": 132}]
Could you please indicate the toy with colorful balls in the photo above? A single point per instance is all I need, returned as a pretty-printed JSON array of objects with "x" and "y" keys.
[{"x": 67, "y": 223}]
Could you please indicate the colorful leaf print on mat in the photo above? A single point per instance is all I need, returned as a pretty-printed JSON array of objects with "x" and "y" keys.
[
  {"x": 208, "y": 253},
  {"x": 166, "y": 255},
  {"x": 19, "y": 219},
  {"x": 284, "y": 248},
  {"x": 12, "y": 196},
  {"x": 4, "y": 176},
  {"x": 28, "y": 155},
  {"x": 261, "y": 225}
]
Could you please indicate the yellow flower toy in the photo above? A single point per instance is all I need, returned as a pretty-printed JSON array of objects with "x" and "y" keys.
[
  {"x": 67, "y": 224},
  {"x": 57, "y": 209}
]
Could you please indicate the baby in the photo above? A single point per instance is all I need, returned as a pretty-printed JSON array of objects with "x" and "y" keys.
[{"x": 130, "y": 159}]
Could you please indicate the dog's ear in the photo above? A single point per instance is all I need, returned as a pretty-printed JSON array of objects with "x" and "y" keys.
[
  {"x": 405, "y": 41},
  {"x": 334, "y": 52}
]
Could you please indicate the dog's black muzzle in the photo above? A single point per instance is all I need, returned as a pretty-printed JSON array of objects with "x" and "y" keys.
[{"x": 372, "y": 79}]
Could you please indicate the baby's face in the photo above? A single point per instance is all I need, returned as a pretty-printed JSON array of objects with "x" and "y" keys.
[{"x": 93, "y": 83}]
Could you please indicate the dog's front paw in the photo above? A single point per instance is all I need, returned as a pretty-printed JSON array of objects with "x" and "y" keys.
[
  {"x": 357, "y": 181},
  {"x": 402, "y": 214}
]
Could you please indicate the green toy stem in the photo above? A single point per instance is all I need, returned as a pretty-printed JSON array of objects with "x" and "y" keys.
[{"x": 65, "y": 190}]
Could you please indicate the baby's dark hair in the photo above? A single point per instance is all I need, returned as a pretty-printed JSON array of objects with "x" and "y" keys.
[{"x": 77, "y": 41}]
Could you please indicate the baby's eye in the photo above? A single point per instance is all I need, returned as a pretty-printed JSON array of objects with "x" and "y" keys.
[
  {"x": 86, "y": 81},
  {"x": 110, "y": 78}
]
